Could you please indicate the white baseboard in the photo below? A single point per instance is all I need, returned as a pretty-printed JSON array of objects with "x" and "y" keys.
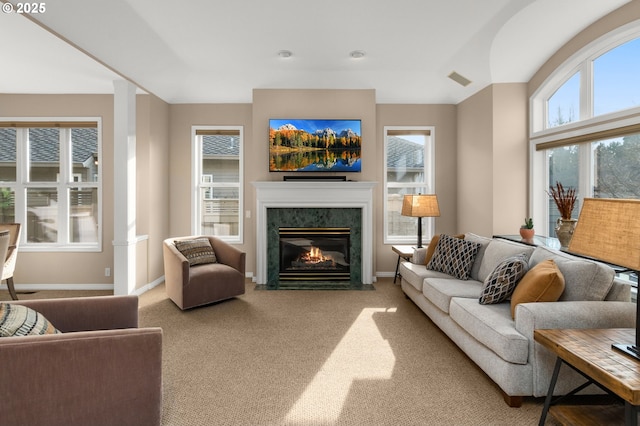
[
  {"x": 40, "y": 287},
  {"x": 91, "y": 287},
  {"x": 149, "y": 286}
]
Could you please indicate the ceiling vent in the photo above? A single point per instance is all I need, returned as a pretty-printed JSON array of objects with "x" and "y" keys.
[{"x": 459, "y": 79}]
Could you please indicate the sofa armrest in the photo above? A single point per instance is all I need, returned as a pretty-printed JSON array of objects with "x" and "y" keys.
[
  {"x": 569, "y": 314},
  {"x": 107, "y": 377},
  {"x": 88, "y": 313},
  {"x": 574, "y": 314}
]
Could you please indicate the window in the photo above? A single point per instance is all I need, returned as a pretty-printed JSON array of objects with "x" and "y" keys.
[
  {"x": 585, "y": 125},
  {"x": 218, "y": 182},
  {"x": 616, "y": 81},
  {"x": 409, "y": 169},
  {"x": 50, "y": 182}
]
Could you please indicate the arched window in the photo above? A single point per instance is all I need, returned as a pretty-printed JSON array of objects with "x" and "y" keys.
[{"x": 585, "y": 125}]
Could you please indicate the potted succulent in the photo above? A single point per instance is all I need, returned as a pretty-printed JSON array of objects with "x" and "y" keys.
[
  {"x": 565, "y": 199},
  {"x": 526, "y": 231}
]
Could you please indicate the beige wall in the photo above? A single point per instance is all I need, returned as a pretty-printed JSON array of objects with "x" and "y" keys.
[
  {"x": 181, "y": 118},
  {"x": 152, "y": 194},
  {"x": 492, "y": 160},
  {"x": 443, "y": 118},
  {"x": 475, "y": 163},
  {"x": 80, "y": 267}
]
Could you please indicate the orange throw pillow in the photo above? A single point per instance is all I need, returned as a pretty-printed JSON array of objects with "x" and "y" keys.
[
  {"x": 432, "y": 246},
  {"x": 543, "y": 283}
]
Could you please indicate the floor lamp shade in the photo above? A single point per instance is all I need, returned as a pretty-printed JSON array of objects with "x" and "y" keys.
[
  {"x": 420, "y": 205},
  {"x": 609, "y": 230}
]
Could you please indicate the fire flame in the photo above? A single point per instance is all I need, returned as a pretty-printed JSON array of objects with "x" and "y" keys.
[{"x": 315, "y": 256}]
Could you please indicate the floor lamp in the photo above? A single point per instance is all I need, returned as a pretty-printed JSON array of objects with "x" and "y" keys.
[
  {"x": 609, "y": 230},
  {"x": 420, "y": 205}
]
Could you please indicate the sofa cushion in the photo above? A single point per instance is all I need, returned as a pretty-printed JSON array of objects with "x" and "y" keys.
[
  {"x": 18, "y": 320},
  {"x": 484, "y": 243},
  {"x": 197, "y": 250},
  {"x": 497, "y": 251},
  {"x": 439, "y": 291},
  {"x": 492, "y": 326},
  {"x": 415, "y": 274},
  {"x": 454, "y": 256},
  {"x": 584, "y": 279},
  {"x": 543, "y": 283},
  {"x": 503, "y": 280}
]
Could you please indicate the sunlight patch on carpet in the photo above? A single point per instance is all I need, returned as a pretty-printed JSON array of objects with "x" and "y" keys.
[{"x": 362, "y": 354}]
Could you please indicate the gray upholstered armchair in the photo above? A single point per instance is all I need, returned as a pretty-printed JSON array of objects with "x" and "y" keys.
[
  {"x": 190, "y": 283},
  {"x": 102, "y": 369}
]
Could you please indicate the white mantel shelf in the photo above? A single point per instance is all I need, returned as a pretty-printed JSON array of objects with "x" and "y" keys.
[{"x": 314, "y": 194}]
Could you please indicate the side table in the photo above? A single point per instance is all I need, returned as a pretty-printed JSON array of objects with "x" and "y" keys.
[
  {"x": 404, "y": 252},
  {"x": 589, "y": 352}
]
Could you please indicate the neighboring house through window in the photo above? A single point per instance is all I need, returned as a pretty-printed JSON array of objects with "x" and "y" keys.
[
  {"x": 409, "y": 169},
  {"x": 50, "y": 182},
  {"x": 217, "y": 181}
]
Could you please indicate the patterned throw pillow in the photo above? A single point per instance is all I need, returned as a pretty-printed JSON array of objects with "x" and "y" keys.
[
  {"x": 454, "y": 256},
  {"x": 197, "y": 251},
  {"x": 18, "y": 320},
  {"x": 499, "y": 285}
]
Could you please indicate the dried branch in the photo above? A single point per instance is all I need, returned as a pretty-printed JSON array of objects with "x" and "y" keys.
[{"x": 565, "y": 199}]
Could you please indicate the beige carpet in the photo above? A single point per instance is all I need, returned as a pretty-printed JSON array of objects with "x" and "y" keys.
[{"x": 319, "y": 358}]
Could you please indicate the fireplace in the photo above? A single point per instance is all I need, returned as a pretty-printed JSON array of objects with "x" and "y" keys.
[
  {"x": 308, "y": 204},
  {"x": 314, "y": 254}
]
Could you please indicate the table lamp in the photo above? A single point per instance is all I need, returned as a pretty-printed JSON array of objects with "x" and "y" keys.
[
  {"x": 420, "y": 205},
  {"x": 609, "y": 230}
]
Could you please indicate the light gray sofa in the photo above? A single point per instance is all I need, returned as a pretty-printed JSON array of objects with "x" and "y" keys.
[{"x": 504, "y": 347}]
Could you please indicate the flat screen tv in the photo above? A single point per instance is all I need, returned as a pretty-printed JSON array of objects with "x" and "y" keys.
[{"x": 297, "y": 145}]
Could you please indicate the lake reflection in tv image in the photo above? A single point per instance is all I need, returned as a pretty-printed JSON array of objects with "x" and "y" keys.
[{"x": 314, "y": 145}]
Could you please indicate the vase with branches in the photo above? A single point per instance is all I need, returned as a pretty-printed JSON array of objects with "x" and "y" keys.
[{"x": 565, "y": 199}]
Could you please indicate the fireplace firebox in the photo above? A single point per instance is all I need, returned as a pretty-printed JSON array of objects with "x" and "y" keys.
[{"x": 314, "y": 254}]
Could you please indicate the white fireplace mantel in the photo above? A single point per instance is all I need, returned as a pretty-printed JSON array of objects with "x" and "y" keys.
[{"x": 314, "y": 194}]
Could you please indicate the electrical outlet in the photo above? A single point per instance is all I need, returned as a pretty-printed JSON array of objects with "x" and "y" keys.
[{"x": 107, "y": 272}]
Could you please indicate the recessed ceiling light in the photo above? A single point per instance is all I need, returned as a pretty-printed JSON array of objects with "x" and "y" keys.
[
  {"x": 357, "y": 54},
  {"x": 285, "y": 53}
]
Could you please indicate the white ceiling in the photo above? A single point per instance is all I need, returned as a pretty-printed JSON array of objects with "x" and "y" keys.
[{"x": 215, "y": 51}]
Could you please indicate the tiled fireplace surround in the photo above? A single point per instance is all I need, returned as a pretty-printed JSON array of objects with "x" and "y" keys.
[{"x": 314, "y": 203}]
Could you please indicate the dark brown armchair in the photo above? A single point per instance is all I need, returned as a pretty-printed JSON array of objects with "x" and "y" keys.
[
  {"x": 194, "y": 285},
  {"x": 102, "y": 369}
]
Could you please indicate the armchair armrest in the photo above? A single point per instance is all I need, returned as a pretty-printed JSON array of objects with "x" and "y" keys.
[
  {"x": 176, "y": 266},
  {"x": 228, "y": 254},
  {"x": 88, "y": 313},
  {"x": 107, "y": 377}
]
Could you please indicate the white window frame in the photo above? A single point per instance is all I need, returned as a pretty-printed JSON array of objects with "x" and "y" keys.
[
  {"x": 197, "y": 179},
  {"x": 586, "y": 124},
  {"x": 428, "y": 224},
  {"x": 64, "y": 184}
]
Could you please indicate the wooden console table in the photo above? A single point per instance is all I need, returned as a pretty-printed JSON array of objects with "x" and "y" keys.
[{"x": 589, "y": 352}]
